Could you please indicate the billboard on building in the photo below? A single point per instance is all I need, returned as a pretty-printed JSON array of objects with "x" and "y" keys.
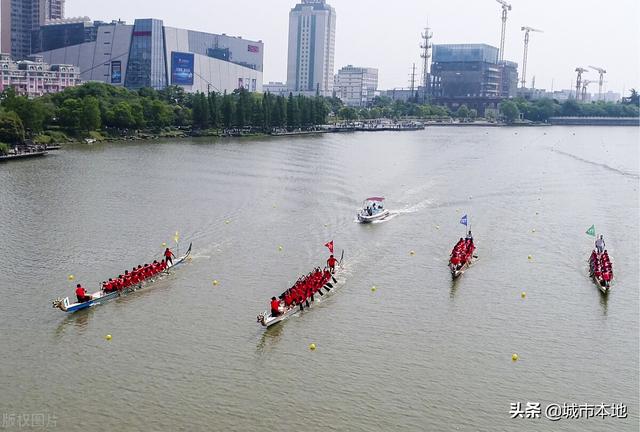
[
  {"x": 182, "y": 68},
  {"x": 116, "y": 72}
]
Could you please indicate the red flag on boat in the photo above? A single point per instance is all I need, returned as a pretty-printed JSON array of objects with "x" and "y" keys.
[{"x": 330, "y": 246}]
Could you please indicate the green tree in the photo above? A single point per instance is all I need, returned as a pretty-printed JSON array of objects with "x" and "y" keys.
[
  {"x": 200, "y": 107},
  {"x": 348, "y": 113},
  {"x": 11, "y": 128},
  {"x": 122, "y": 116},
  {"x": 293, "y": 112},
  {"x": 34, "y": 113},
  {"x": 90, "y": 119},
  {"x": 227, "y": 110},
  {"x": 215, "y": 116},
  {"x": 266, "y": 111},
  {"x": 571, "y": 108},
  {"x": 463, "y": 112},
  {"x": 280, "y": 112},
  {"x": 510, "y": 111},
  {"x": 69, "y": 114}
]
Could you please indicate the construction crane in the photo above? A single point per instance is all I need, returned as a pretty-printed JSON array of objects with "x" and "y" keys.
[
  {"x": 526, "y": 31},
  {"x": 585, "y": 83},
  {"x": 580, "y": 71},
  {"x": 601, "y": 71},
  {"x": 506, "y": 7}
]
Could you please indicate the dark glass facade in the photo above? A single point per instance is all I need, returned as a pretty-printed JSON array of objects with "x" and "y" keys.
[
  {"x": 147, "y": 62},
  {"x": 56, "y": 36}
]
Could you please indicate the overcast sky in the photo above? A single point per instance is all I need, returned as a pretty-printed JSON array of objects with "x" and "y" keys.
[{"x": 386, "y": 34}]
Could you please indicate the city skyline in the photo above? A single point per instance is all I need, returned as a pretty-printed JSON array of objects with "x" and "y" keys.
[{"x": 570, "y": 38}]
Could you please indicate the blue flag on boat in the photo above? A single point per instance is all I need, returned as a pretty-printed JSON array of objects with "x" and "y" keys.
[{"x": 463, "y": 221}]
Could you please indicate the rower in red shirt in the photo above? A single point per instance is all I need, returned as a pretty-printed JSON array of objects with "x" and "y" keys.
[
  {"x": 288, "y": 299},
  {"x": 82, "y": 295}
]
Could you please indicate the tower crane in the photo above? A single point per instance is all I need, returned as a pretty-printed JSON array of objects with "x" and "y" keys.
[
  {"x": 601, "y": 71},
  {"x": 585, "y": 83},
  {"x": 526, "y": 31},
  {"x": 580, "y": 71},
  {"x": 506, "y": 7}
]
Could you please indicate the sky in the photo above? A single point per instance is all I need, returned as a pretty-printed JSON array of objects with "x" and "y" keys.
[{"x": 386, "y": 34}]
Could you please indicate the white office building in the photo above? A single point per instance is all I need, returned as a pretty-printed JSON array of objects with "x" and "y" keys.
[
  {"x": 312, "y": 34},
  {"x": 356, "y": 86}
]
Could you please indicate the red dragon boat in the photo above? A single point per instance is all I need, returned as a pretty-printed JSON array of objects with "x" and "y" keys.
[{"x": 601, "y": 270}]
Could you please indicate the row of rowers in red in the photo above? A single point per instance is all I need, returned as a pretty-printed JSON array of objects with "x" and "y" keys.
[
  {"x": 462, "y": 250},
  {"x": 304, "y": 289},
  {"x": 600, "y": 266},
  {"x": 130, "y": 278}
]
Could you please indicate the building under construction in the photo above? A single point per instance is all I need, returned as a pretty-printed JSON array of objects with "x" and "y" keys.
[{"x": 471, "y": 75}]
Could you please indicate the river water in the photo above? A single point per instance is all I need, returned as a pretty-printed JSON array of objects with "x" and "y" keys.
[{"x": 420, "y": 353}]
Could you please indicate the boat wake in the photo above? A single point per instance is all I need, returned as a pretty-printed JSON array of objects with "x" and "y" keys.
[
  {"x": 601, "y": 165},
  {"x": 416, "y": 207}
]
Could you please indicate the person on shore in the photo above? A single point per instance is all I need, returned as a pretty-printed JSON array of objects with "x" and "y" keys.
[
  {"x": 82, "y": 294},
  {"x": 600, "y": 244},
  {"x": 331, "y": 263},
  {"x": 168, "y": 256}
]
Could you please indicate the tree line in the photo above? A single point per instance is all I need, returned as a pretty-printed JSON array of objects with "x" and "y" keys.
[
  {"x": 78, "y": 111},
  {"x": 542, "y": 109}
]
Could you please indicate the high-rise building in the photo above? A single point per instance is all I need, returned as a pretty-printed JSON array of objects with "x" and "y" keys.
[
  {"x": 356, "y": 86},
  {"x": 312, "y": 36},
  {"x": 20, "y": 18},
  {"x": 468, "y": 74}
]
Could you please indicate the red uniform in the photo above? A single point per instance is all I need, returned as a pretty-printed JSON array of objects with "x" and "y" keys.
[
  {"x": 275, "y": 307},
  {"x": 81, "y": 294}
]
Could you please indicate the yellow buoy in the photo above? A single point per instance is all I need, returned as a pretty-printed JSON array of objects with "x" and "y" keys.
[
  {"x": 412, "y": 253},
  {"x": 227, "y": 222},
  {"x": 215, "y": 282},
  {"x": 529, "y": 257},
  {"x": 280, "y": 248},
  {"x": 164, "y": 244},
  {"x": 108, "y": 337},
  {"x": 514, "y": 357},
  {"x": 523, "y": 294},
  {"x": 71, "y": 277},
  {"x": 373, "y": 288},
  {"x": 312, "y": 346}
]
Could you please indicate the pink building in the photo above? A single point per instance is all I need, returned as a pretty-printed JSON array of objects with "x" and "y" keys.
[{"x": 33, "y": 77}]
